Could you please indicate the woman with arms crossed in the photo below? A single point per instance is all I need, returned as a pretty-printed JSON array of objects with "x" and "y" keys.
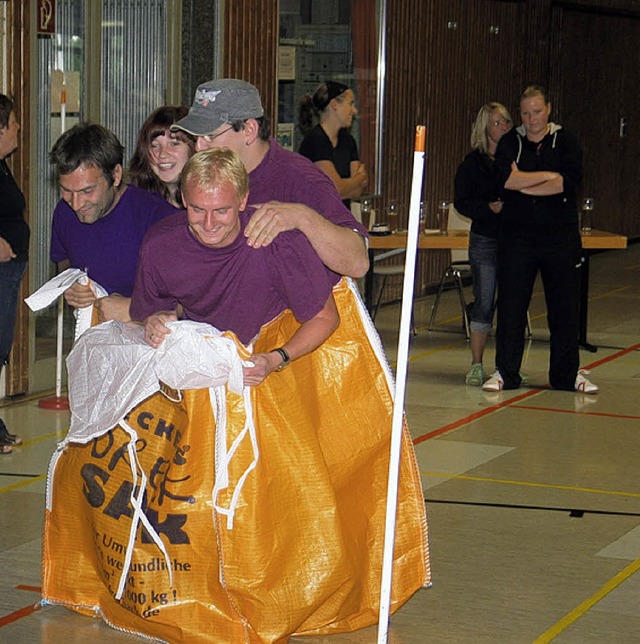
[{"x": 539, "y": 165}]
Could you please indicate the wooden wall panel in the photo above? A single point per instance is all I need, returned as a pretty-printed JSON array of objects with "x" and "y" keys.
[
  {"x": 583, "y": 41},
  {"x": 251, "y": 48},
  {"x": 444, "y": 60},
  {"x": 19, "y": 78}
]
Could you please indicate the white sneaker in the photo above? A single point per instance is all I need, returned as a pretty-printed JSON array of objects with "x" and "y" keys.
[
  {"x": 494, "y": 383},
  {"x": 585, "y": 386}
]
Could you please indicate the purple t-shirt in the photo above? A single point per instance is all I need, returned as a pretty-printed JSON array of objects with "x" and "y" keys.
[
  {"x": 108, "y": 248},
  {"x": 236, "y": 288},
  {"x": 291, "y": 178}
]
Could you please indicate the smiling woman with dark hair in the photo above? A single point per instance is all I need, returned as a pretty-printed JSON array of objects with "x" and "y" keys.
[
  {"x": 160, "y": 154},
  {"x": 14, "y": 246}
]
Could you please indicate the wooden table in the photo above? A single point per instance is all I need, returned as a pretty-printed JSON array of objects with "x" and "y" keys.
[
  {"x": 453, "y": 240},
  {"x": 459, "y": 240}
]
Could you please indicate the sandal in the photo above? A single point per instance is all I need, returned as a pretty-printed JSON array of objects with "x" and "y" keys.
[{"x": 5, "y": 449}]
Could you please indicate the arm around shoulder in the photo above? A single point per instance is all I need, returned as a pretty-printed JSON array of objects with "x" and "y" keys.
[{"x": 341, "y": 249}]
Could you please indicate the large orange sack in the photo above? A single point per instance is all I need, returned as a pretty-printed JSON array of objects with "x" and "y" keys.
[{"x": 287, "y": 539}]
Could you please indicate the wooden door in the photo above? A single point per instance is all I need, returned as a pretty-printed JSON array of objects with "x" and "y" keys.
[{"x": 596, "y": 81}]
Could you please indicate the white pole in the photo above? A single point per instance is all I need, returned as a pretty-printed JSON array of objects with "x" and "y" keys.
[
  {"x": 58, "y": 402},
  {"x": 63, "y": 111},
  {"x": 60, "y": 325},
  {"x": 401, "y": 381}
]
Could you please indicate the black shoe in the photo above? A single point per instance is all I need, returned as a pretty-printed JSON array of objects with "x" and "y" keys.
[{"x": 6, "y": 438}]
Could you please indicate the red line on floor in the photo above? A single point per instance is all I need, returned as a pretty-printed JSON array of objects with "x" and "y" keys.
[
  {"x": 511, "y": 401},
  {"x": 613, "y": 356},
  {"x": 582, "y": 413},
  {"x": 19, "y": 614},
  {"x": 35, "y": 589},
  {"x": 472, "y": 417}
]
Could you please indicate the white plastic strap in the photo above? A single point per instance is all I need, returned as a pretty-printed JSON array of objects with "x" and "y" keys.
[
  {"x": 224, "y": 456},
  {"x": 138, "y": 513}
]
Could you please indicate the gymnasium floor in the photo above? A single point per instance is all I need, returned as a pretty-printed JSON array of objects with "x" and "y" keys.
[{"x": 533, "y": 496}]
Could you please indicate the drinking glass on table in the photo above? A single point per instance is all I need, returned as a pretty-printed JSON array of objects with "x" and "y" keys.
[
  {"x": 392, "y": 216},
  {"x": 423, "y": 218},
  {"x": 365, "y": 213},
  {"x": 586, "y": 220},
  {"x": 443, "y": 216}
]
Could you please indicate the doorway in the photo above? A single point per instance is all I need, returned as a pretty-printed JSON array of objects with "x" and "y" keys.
[{"x": 599, "y": 104}]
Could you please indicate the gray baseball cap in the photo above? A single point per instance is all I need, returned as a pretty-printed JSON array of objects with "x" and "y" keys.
[{"x": 220, "y": 101}]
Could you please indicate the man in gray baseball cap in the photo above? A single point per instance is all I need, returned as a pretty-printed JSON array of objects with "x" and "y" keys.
[
  {"x": 218, "y": 102},
  {"x": 288, "y": 191}
]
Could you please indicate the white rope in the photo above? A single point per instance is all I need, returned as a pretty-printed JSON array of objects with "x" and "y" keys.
[
  {"x": 138, "y": 513},
  {"x": 224, "y": 456}
]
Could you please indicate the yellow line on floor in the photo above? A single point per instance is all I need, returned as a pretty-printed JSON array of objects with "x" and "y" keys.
[
  {"x": 582, "y": 608},
  {"x": 446, "y": 347},
  {"x": 608, "y": 293},
  {"x": 39, "y": 439},
  {"x": 530, "y": 484},
  {"x": 593, "y": 298},
  {"x": 22, "y": 483}
]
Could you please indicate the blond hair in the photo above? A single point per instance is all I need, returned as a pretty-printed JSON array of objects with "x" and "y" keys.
[
  {"x": 213, "y": 168},
  {"x": 479, "y": 138},
  {"x": 535, "y": 90}
]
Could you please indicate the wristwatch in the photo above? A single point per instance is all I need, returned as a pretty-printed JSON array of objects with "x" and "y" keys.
[{"x": 286, "y": 359}]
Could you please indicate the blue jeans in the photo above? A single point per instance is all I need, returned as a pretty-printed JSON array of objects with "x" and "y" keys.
[
  {"x": 10, "y": 275},
  {"x": 483, "y": 257}
]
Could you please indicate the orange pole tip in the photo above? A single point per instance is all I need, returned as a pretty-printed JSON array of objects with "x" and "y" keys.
[
  {"x": 63, "y": 97},
  {"x": 421, "y": 138}
]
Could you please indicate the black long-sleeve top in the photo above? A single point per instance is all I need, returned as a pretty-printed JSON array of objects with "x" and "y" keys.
[
  {"x": 559, "y": 151},
  {"x": 13, "y": 227},
  {"x": 476, "y": 184}
]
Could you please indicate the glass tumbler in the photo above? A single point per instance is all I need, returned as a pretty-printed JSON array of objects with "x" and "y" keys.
[
  {"x": 365, "y": 213},
  {"x": 392, "y": 216},
  {"x": 443, "y": 216},
  {"x": 586, "y": 220}
]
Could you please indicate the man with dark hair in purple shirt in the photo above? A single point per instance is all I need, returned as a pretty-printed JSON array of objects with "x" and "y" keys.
[{"x": 99, "y": 223}]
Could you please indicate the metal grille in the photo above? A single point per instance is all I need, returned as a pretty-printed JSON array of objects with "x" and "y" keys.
[
  {"x": 133, "y": 84},
  {"x": 134, "y": 51}
]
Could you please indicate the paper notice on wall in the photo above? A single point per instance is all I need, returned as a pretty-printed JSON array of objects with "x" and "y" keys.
[{"x": 286, "y": 62}]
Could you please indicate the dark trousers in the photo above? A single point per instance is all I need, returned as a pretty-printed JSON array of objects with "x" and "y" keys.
[
  {"x": 10, "y": 275},
  {"x": 556, "y": 254}
]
